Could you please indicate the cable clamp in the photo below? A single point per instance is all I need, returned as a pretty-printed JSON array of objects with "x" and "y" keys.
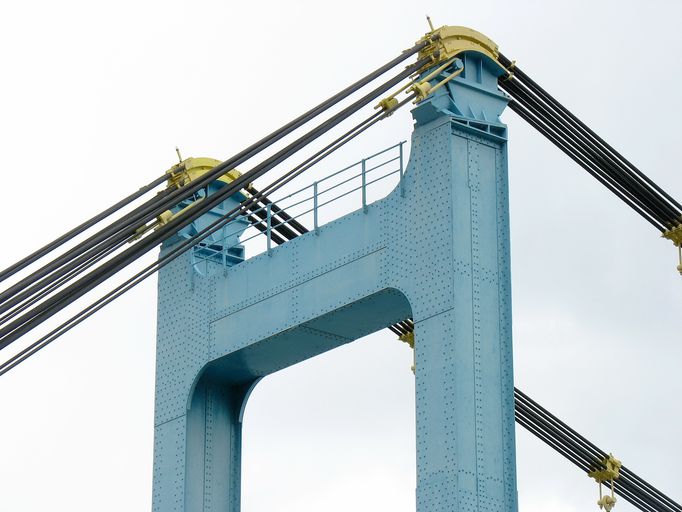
[
  {"x": 408, "y": 337},
  {"x": 423, "y": 88},
  {"x": 675, "y": 236},
  {"x": 609, "y": 472},
  {"x": 178, "y": 176},
  {"x": 387, "y": 104},
  {"x": 510, "y": 71}
]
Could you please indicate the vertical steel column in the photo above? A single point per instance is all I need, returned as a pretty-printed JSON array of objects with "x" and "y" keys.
[{"x": 463, "y": 341}]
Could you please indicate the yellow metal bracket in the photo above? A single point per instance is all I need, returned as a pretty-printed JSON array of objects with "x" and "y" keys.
[
  {"x": 510, "y": 71},
  {"x": 608, "y": 473},
  {"x": 168, "y": 215},
  {"x": 180, "y": 175},
  {"x": 424, "y": 88},
  {"x": 408, "y": 338},
  {"x": 447, "y": 42},
  {"x": 388, "y": 104},
  {"x": 192, "y": 168},
  {"x": 675, "y": 235},
  {"x": 444, "y": 44}
]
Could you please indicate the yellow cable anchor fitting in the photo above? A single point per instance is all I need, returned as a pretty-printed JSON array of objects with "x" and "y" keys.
[
  {"x": 387, "y": 104},
  {"x": 608, "y": 473},
  {"x": 675, "y": 235},
  {"x": 390, "y": 102},
  {"x": 510, "y": 71},
  {"x": 180, "y": 175},
  {"x": 424, "y": 88},
  {"x": 408, "y": 338},
  {"x": 446, "y": 42}
]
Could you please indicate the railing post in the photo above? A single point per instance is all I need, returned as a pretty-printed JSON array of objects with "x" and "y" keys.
[
  {"x": 315, "y": 223},
  {"x": 402, "y": 182},
  {"x": 223, "y": 251},
  {"x": 364, "y": 187},
  {"x": 269, "y": 229}
]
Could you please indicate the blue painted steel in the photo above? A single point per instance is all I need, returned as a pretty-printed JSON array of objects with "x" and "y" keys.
[
  {"x": 222, "y": 246},
  {"x": 438, "y": 252}
]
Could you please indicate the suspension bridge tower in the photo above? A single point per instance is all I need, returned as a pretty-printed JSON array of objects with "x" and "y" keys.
[{"x": 436, "y": 250}]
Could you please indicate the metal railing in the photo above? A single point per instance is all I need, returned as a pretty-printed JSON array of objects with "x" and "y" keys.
[{"x": 316, "y": 204}]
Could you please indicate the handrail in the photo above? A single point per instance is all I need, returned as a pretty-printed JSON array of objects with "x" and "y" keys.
[{"x": 206, "y": 253}]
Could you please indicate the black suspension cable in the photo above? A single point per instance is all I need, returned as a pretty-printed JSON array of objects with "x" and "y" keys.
[
  {"x": 18, "y": 327},
  {"x": 143, "y": 215},
  {"x": 608, "y": 162},
  {"x": 575, "y": 121},
  {"x": 275, "y": 223},
  {"x": 262, "y": 227},
  {"x": 70, "y": 260},
  {"x": 394, "y": 330},
  {"x": 576, "y": 448},
  {"x": 58, "y": 242},
  {"x": 22, "y": 325},
  {"x": 547, "y": 439},
  {"x": 645, "y": 196},
  {"x": 59, "y": 282},
  {"x": 278, "y": 211},
  {"x": 14, "y": 330},
  {"x": 623, "y": 485},
  {"x": 551, "y": 136},
  {"x": 627, "y": 477},
  {"x": 182, "y": 247}
]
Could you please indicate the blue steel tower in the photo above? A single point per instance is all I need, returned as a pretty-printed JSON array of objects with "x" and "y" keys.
[{"x": 436, "y": 249}]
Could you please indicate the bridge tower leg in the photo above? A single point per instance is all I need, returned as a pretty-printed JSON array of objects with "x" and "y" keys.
[
  {"x": 464, "y": 373},
  {"x": 435, "y": 249}
]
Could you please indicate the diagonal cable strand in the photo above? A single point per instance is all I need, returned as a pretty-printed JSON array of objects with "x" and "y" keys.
[
  {"x": 58, "y": 242},
  {"x": 576, "y": 122},
  {"x": 644, "y": 194},
  {"x": 169, "y": 198},
  {"x": 575, "y": 447},
  {"x": 20, "y": 326},
  {"x": 537, "y": 124},
  {"x": 184, "y": 246}
]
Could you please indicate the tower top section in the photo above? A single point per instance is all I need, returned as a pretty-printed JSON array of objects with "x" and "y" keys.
[{"x": 450, "y": 41}]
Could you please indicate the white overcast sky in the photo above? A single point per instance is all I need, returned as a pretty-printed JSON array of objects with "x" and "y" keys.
[{"x": 94, "y": 96}]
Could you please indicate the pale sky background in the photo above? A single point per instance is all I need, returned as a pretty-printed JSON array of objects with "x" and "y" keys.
[{"x": 94, "y": 97}]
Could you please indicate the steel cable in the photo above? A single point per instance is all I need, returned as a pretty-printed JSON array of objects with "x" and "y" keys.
[
  {"x": 185, "y": 245},
  {"x": 643, "y": 196},
  {"x": 575, "y": 121},
  {"x": 144, "y": 214},
  {"x": 575, "y": 447},
  {"x": 14, "y": 330},
  {"x": 602, "y": 160},
  {"x": 58, "y": 242},
  {"x": 589, "y": 167}
]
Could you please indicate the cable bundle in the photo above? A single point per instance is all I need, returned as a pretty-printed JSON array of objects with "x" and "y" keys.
[
  {"x": 589, "y": 150},
  {"x": 588, "y": 457},
  {"x": 57, "y": 284},
  {"x": 576, "y": 448},
  {"x": 45, "y": 292}
]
